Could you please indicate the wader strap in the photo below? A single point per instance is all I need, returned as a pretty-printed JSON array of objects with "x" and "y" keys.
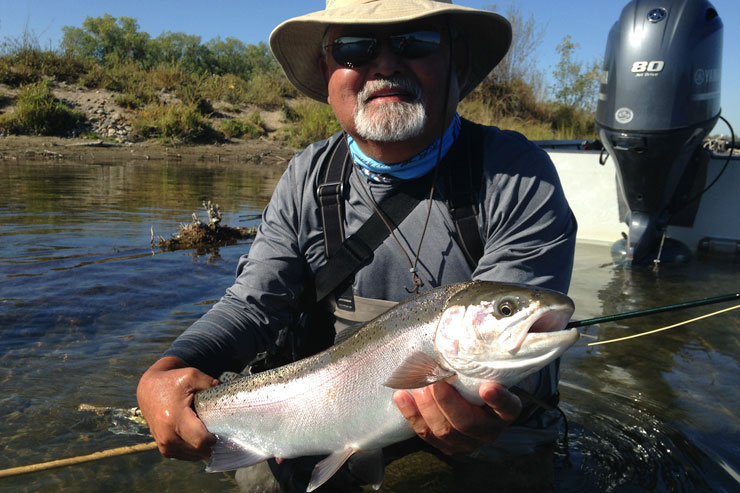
[
  {"x": 358, "y": 248},
  {"x": 464, "y": 188},
  {"x": 331, "y": 200},
  {"x": 330, "y": 192}
]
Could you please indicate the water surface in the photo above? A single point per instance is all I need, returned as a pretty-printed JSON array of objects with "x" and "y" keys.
[{"x": 86, "y": 305}]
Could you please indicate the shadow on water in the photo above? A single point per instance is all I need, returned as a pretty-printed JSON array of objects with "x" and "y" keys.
[{"x": 86, "y": 306}]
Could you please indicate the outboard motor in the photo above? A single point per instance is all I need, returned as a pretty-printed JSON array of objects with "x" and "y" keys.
[{"x": 659, "y": 98}]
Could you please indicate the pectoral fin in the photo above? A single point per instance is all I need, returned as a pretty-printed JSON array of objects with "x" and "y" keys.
[
  {"x": 418, "y": 370},
  {"x": 328, "y": 467},
  {"x": 228, "y": 455}
]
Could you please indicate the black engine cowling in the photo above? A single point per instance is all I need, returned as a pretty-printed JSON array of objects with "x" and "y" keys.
[{"x": 659, "y": 98}]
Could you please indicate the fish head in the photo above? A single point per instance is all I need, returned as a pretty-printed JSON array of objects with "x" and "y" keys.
[{"x": 504, "y": 332}]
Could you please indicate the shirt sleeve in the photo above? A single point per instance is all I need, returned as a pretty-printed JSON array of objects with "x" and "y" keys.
[
  {"x": 527, "y": 226},
  {"x": 269, "y": 282}
]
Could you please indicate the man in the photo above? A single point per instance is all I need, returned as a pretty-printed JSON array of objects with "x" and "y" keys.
[{"x": 393, "y": 71}]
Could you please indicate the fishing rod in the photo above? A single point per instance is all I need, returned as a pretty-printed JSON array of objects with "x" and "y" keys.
[
  {"x": 115, "y": 452},
  {"x": 650, "y": 311}
]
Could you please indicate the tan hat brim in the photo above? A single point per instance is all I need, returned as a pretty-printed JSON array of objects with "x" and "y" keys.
[{"x": 296, "y": 43}]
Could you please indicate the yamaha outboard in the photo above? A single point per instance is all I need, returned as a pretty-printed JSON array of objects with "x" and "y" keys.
[{"x": 659, "y": 98}]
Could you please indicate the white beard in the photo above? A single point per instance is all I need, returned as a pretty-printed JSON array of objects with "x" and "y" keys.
[{"x": 390, "y": 122}]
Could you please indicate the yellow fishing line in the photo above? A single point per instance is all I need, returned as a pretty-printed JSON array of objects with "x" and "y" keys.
[{"x": 663, "y": 328}]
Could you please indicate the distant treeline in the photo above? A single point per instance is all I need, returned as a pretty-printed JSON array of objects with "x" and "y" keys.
[
  {"x": 112, "y": 53},
  {"x": 110, "y": 41}
]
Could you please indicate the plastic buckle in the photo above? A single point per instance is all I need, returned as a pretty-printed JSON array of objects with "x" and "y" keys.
[{"x": 331, "y": 188}]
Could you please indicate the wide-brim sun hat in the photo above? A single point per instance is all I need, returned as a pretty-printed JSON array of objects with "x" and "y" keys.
[{"x": 296, "y": 43}]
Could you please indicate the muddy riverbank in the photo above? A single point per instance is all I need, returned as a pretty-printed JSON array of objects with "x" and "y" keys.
[{"x": 254, "y": 151}]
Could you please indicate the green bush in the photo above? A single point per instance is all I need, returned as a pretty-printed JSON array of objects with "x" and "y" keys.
[
  {"x": 14, "y": 74},
  {"x": 27, "y": 64},
  {"x": 125, "y": 77},
  {"x": 228, "y": 88},
  {"x": 572, "y": 122},
  {"x": 166, "y": 76},
  {"x": 514, "y": 105},
  {"x": 38, "y": 112},
  {"x": 51, "y": 64},
  {"x": 494, "y": 100},
  {"x": 174, "y": 124},
  {"x": 269, "y": 90},
  {"x": 314, "y": 121},
  {"x": 191, "y": 92},
  {"x": 130, "y": 101},
  {"x": 289, "y": 114},
  {"x": 93, "y": 77},
  {"x": 236, "y": 127}
]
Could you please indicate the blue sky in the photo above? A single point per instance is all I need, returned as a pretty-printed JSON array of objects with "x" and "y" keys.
[{"x": 587, "y": 21}]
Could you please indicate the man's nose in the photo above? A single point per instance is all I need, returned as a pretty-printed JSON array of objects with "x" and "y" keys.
[{"x": 387, "y": 62}]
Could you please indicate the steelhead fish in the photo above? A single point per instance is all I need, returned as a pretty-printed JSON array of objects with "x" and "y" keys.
[{"x": 340, "y": 402}]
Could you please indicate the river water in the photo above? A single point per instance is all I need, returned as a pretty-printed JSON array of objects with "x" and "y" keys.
[{"x": 86, "y": 305}]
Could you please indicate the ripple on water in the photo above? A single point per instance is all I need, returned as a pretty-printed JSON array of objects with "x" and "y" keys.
[{"x": 618, "y": 443}]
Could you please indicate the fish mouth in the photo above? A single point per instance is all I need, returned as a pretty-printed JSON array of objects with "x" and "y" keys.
[
  {"x": 551, "y": 319},
  {"x": 544, "y": 323}
]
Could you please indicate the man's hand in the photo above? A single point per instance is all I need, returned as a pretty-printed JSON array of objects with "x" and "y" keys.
[
  {"x": 440, "y": 415},
  {"x": 165, "y": 395}
]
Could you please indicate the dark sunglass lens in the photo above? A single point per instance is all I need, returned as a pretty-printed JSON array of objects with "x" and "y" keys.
[
  {"x": 415, "y": 45},
  {"x": 352, "y": 51}
]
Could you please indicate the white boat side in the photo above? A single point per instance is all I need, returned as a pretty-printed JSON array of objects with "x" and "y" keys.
[{"x": 591, "y": 190}]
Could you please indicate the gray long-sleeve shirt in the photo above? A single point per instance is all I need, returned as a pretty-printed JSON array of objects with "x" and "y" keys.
[{"x": 526, "y": 225}]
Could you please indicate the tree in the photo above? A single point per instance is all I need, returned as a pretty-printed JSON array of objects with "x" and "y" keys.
[
  {"x": 107, "y": 39},
  {"x": 573, "y": 86},
  {"x": 173, "y": 48},
  {"x": 520, "y": 61},
  {"x": 232, "y": 56}
]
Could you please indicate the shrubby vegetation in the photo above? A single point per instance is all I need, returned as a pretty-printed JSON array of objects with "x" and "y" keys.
[
  {"x": 175, "y": 124},
  {"x": 316, "y": 120},
  {"x": 172, "y": 82},
  {"x": 236, "y": 127},
  {"x": 39, "y": 113},
  {"x": 513, "y": 96}
]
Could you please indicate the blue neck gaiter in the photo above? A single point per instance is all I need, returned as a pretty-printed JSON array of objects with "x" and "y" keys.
[{"x": 415, "y": 167}]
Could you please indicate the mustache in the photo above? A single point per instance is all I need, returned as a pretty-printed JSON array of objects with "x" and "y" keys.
[{"x": 394, "y": 82}]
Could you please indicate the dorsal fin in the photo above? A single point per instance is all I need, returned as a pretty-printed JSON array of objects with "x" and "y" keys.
[{"x": 347, "y": 333}]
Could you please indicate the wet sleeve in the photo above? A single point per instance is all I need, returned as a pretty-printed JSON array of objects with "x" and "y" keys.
[{"x": 264, "y": 297}]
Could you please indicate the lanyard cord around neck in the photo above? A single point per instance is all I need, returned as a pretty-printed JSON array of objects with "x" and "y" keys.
[{"x": 413, "y": 265}]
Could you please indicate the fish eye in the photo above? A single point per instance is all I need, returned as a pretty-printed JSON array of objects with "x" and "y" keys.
[{"x": 507, "y": 307}]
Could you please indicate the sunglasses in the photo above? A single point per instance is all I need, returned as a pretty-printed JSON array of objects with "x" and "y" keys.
[{"x": 354, "y": 51}]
